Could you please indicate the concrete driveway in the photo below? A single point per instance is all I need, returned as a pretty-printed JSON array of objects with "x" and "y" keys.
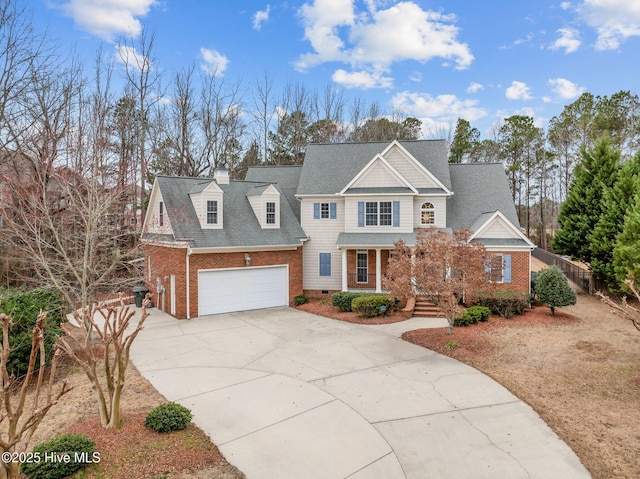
[{"x": 287, "y": 394}]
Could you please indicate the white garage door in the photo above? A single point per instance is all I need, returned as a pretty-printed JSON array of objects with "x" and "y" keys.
[{"x": 224, "y": 291}]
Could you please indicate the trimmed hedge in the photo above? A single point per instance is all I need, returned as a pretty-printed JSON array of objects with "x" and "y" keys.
[
  {"x": 473, "y": 315},
  {"x": 504, "y": 303},
  {"x": 76, "y": 446},
  {"x": 168, "y": 417},
  {"x": 23, "y": 307},
  {"x": 344, "y": 299},
  {"x": 372, "y": 305}
]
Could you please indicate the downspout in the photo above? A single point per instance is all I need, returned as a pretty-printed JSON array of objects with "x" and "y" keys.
[{"x": 188, "y": 284}]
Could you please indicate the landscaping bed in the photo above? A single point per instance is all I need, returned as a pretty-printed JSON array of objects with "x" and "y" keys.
[{"x": 322, "y": 307}]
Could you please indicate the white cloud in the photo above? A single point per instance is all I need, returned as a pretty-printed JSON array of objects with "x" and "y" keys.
[
  {"x": 518, "y": 91},
  {"x": 443, "y": 108},
  {"x": 565, "y": 5},
  {"x": 361, "y": 79},
  {"x": 214, "y": 62},
  {"x": 565, "y": 89},
  {"x": 614, "y": 20},
  {"x": 108, "y": 18},
  {"x": 260, "y": 17},
  {"x": 569, "y": 40},
  {"x": 129, "y": 56},
  {"x": 374, "y": 39},
  {"x": 474, "y": 87},
  {"x": 416, "y": 77}
]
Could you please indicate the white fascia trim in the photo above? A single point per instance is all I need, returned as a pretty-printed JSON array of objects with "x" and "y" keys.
[
  {"x": 508, "y": 248},
  {"x": 152, "y": 197},
  {"x": 495, "y": 215},
  {"x": 244, "y": 249},
  {"x": 377, "y": 194},
  {"x": 418, "y": 164},
  {"x": 166, "y": 244},
  {"x": 385, "y": 163}
]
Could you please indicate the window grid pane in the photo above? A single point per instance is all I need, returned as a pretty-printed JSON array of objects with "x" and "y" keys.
[
  {"x": 212, "y": 212},
  {"x": 324, "y": 210},
  {"x": 271, "y": 213},
  {"x": 427, "y": 214},
  {"x": 362, "y": 268},
  {"x": 371, "y": 213},
  {"x": 385, "y": 213}
]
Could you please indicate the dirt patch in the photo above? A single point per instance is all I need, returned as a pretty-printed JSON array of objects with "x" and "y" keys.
[{"x": 579, "y": 369}]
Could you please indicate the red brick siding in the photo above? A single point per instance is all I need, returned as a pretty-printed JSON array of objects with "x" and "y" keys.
[
  {"x": 168, "y": 261},
  {"x": 520, "y": 274},
  {"x": 371, "y": 264},
  {"x": 164, "y": 263}
]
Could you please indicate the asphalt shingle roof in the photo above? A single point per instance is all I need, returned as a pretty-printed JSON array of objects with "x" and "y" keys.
[
  {"x": 329, "y": 167},
  {"x": 241, "y": 227},
  {"x": 479, "y": 190},
  {"x": 286, "y": 177}
]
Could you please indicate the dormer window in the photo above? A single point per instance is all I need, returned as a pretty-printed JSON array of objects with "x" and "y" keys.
[
  {"x": 427, "y": 214},
  {"x": 271, "y": 212},
  {"x": 212, "y": 212}
]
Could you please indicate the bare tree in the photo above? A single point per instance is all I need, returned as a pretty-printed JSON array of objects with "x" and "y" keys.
[
  {"x": 24, "y": 403},
  {"x": 144, "y": 81},
  {"x": 445, "y": 268},
  {"x": 264, "y": 111},
  {"x": 106, "y": 372},
  {"x": 624, "y": 309}
]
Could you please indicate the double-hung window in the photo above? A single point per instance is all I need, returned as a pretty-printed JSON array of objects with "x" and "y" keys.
[
  {"x": 379, "y": 213},
  {"x": 212, "y": 212},
  {"x": 362, "y": 267},
  {"x": 499, "y": 268},
  {"x": 324, "y": 211},
  {"x": 271, "y": 212}
]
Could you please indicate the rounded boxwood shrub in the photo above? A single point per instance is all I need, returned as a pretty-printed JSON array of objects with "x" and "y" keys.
[
  {"x": 553, "y": 289},
  {"x": 372, "y": 305},
  {"x": 300, "y": 299},
  {"x": 168, "y": 417},
  {"x": 79, "y": 449},
  {"x": 473, "y": 315}
]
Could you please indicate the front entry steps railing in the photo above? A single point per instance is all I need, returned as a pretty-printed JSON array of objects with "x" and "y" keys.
[{"x": 426, "y": 309}]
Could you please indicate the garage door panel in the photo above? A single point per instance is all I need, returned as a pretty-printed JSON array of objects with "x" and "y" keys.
[{"x": 224, "y": 291}]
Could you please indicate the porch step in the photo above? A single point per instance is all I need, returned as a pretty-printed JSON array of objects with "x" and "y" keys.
[{"x": 425, "y": 309}]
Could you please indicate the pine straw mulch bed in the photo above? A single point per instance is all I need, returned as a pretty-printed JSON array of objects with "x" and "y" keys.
[
  {"x": 133, "y": 451},
  {"x": 323, "y": 308},
  {"x": 579, "y": 369}
]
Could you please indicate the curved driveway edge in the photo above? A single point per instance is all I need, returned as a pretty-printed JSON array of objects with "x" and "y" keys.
[{"x": 287, "y": 394}]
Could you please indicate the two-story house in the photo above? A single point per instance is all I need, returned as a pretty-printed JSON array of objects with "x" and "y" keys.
[{"x": 215, "y": 245}]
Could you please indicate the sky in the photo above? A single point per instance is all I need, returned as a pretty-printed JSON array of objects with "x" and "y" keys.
[{"x": 433, "y": 60}]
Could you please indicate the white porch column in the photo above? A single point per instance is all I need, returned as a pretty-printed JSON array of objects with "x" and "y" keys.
[
  {"x": 345, "y": 283},
  {"x": 378, "y": 271}
]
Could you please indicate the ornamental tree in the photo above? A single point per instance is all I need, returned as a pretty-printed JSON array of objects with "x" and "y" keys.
[
  {"x": 444, "y": 268},
  {"x": 553, "y": 289}
]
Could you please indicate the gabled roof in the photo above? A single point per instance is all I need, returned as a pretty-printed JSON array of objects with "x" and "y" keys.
[
  {"x": 378, "y": 162},
  {"x": 329, "y": 167},
  {"x": 479, "y": 190},
  {"x": 241, "y": 228},
  {"x": 286, "y": 177}
]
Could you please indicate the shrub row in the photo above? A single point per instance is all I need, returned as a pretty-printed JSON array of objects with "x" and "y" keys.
[
  {"x": 504, "y": 303},
  {"x": 473, "y": 315},
  {"x": 372, "y": 305},
  {"x": 344, "y": 299}
]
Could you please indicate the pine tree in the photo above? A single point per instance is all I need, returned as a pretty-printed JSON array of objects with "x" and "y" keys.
[
  {"x": 626, "y": 253},
  {"x": 584, "y": 205},
  {"x": 618, "y": 200}
]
